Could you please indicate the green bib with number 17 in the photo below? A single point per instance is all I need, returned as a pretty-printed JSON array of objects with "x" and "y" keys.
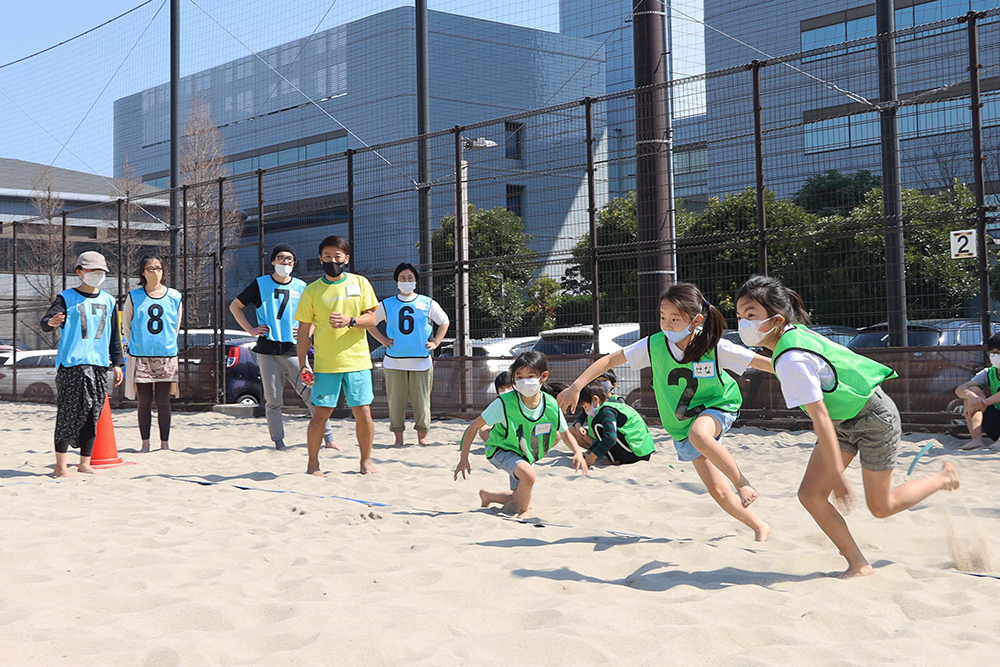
[{"x": 683, "y": 391}]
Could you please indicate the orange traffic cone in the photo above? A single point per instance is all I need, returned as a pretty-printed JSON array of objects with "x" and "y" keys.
[{"x": 105, "y": 448}]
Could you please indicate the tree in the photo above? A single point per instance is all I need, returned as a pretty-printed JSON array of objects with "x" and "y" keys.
[
  {"x": 544, "y": 299},
  {"x": 502, "y": 268},
  {"x": 42, "y": 262},
  {"x": 833, "y": 193},
  {"x": 127, "y": 188},
  {"x": 203, "y": 161}
]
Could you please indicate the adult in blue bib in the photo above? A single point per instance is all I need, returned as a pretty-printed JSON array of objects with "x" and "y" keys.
[
  {"x": 151, "y": 319},
  {"x": 409, "y": 371}
]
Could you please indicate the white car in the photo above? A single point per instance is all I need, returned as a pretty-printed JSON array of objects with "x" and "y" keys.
[
  {"x": 36, "y": 375},
  {"x": 579, "y": 341}
]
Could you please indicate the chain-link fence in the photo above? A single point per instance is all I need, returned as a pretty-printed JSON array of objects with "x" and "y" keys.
[{"x": 525, "y": 227}]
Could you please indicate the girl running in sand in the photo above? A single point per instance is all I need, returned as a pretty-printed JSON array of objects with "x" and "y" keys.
[
  {"x": 850, "y": 413},
  {"x": 697, "y": 400},
  {"x": 525, "y": 423}
]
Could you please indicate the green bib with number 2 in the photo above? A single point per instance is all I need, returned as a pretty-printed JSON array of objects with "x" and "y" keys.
[{"x": 683, "y": 391}]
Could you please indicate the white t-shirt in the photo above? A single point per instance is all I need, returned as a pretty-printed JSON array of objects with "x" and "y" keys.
[
  {"x": 731, "y": 356},
  {"x": 803, "y": 377},
  {"x": 494, "y": 413},
  {"x": 436, "y": 315}
]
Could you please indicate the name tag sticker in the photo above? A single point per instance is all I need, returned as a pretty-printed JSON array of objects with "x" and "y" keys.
[
  {"x": 296, "y": 294},
  {"x": 354, "y": 290},
  {"x": 704, "y": 369},
  {"x": 421, "y": 306},
  {"x": 543, "y": 429}
]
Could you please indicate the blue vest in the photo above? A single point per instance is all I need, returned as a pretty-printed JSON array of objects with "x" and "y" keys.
[
  {"x": 277, "y": 307},
  {"x": 154, "y": 324},
  {"x": 85, "y": 338},
  {"x": 408, "y": 324}
]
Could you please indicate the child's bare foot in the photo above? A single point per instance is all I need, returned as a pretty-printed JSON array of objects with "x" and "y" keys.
[
  {"x": 865, "y": 570},
  {"x": 422, "y": 439},
  {"x": 63, "y": 472},
  {"x": 972, "y": 444},
  {"x": 315, "y": 472},
  {"x": 399, "y": 440},
  {"x": 484, "y": 498},
  {"x": 164, "y": 445},
  {"x": 86, "y": 469},
  {"x": 761, "y": 532},
  {"x": 330, "y": 444},
  {"x": 145, "y": 447},
  {"x": 367, "y": 468},
  {"x": 951, "y": 477},
  {"x": 748, "y": 494}
]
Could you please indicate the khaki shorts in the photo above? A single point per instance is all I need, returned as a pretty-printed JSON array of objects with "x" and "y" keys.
[{"x": 874, "y": 434}]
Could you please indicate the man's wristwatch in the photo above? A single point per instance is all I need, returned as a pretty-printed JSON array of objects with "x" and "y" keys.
[{"x": 353, "y": 323}]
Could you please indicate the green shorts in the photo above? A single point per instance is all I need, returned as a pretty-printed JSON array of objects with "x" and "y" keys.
[{"x": 357, "y": 386}]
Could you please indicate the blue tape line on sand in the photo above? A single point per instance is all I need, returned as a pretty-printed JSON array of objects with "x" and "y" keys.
[
  {"x": 204, "y": 482},
  {"x": 923, "y": 451}
]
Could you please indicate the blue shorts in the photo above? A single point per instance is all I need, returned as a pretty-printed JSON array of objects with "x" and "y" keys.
[
  {"x": 687, "y": 452},
  {"x": 357, "y": 389},
  {"x": 507, "y": 460}
]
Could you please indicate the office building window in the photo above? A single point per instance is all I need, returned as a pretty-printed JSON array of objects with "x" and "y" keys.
[
  {"x": 513, "y": 136},
  {"x": 515, "y": 200}
]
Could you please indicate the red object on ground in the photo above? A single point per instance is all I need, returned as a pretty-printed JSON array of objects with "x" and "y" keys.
[{"x": 105, "y": 448}]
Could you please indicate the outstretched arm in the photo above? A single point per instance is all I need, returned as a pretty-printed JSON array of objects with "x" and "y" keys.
[
  {"x": 570, "y": 396},
  {"x": 470, "y": 435}
]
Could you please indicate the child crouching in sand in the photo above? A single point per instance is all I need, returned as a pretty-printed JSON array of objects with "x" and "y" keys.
[{"x": 525, "y": 423}]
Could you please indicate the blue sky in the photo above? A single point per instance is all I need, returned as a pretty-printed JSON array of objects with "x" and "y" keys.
[{"x": 70, "y": 91}]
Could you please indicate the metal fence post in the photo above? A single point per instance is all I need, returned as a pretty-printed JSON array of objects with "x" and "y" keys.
[
  {"x": 216, "y": 358},
  {"x": 260, "y": 222},
  {"x": 118, "y": 296},
  {"x": 64, "y": 250},
  {"x": 13, "y": 282},
  {"x": 350, "y": 205},
  {"x": 595, "y": 286},
  {"x": 975, "y": 101},
  {"x": 220, "y": 296},
  {"x": 758, "y": 140},
  {"x": 461, "y": 345},
  {"x": 184, "y": 256}
]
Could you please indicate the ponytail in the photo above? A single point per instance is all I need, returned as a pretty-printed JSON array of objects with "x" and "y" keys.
[{"x": 711, "y": 332}]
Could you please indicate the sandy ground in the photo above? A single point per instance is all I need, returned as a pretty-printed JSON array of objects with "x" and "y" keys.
[{"x": 169, "y": 562}]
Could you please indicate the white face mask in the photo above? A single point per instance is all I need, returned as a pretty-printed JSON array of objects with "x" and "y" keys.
[
  {"x": 283, "y": 270},
  {"x": 750, "y": 332},
  {"x": 406, "y": 287},
  {"x": 94, "y": 278},
  {"x": 606, "y": 384},
  {"x": 677, "y": 336},
  {"x": 592, "y": 412},
  {"x": 995, "y": 360},
  {"x": 528, "y": 387}
]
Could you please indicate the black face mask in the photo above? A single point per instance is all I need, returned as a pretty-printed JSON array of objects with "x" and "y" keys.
[{"x": 334, "y": 269}]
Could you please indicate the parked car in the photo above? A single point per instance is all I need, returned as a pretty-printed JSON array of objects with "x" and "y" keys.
[
  {"x": 36, "y": 375},
  {"x": 568, "y": 349}
]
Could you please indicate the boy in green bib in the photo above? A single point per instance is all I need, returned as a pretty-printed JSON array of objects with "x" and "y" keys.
[
  {"x": 525, "y": 424},
  {"x": 851, "y": 414},
  {"x": 616, "y": 431},
  {"x": 697, "y": 399},
  {"x": 981, "y": 395}
]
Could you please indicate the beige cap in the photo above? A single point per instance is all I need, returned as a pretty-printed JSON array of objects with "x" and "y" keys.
[{"x": 91, "y": 260}]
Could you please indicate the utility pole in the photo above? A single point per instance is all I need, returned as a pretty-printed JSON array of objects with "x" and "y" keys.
[
  {"x": 892, "y": 194},
  {"x": 423, "y": 150},
  {"x": 175, "y": 131}
]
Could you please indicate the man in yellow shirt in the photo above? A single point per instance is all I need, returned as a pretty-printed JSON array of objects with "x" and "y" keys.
[{"x": 341, "y": 306}]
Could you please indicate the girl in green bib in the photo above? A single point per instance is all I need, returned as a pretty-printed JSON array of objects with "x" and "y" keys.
[
  {"x": 525, "y": 424},
  {"x": 851, "y": 414},
  {"x": 698, "y": 400}
]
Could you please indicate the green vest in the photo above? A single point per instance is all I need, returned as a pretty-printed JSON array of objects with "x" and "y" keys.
[
  {"x": 857, "y": 377},
  {"x": 994, "y": 380},
  {"x": 532, "y": 439},
  {"x": 632, "y": 429},
  {"x": 683, "y": 391}
]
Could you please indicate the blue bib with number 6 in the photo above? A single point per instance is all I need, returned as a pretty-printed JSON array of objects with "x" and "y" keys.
[{"x": 408, "y": 325}]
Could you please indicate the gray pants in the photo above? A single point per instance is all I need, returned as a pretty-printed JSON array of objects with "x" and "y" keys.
[
  {"x": 274, "y": 370},
  {"x": 403, "y": 387}
]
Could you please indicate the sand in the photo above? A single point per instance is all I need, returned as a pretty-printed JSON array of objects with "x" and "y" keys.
[{"x": 168, "y": 562}]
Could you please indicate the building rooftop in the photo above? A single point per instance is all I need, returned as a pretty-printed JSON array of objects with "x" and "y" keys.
[{"x": 19, "y": 178}]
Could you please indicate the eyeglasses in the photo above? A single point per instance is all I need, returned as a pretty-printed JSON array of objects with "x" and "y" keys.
[
  {"x": 284, "y": 259},
  {"x": 153, "y": 269}
]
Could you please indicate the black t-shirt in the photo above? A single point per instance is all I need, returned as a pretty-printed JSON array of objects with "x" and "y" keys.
[{"x": 251, "y": 297}]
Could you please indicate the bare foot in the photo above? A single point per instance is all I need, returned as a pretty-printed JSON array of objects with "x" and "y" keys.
[
  {"x": 330, "y": 444},
  {"x": 761, "y": 533},
  {"x": 484, "y": 498},
  {"x": 865, "y": 570},
  {"x": 972, "y": 444},
  {"x": 145, "y": 448},
  {"x": 951, "y": 477},
  {"x": 63, "y": 472},
  {"x": 315, "y": 472},
  {"x": 164, "y": 445},
  {"x": 399, "y": 440},
  {"x": 422, "y": 439},
  {"x": 367, "y": 468},
  {"x": 748, "y": 494},
  {"x": 86, "y": 470}
]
